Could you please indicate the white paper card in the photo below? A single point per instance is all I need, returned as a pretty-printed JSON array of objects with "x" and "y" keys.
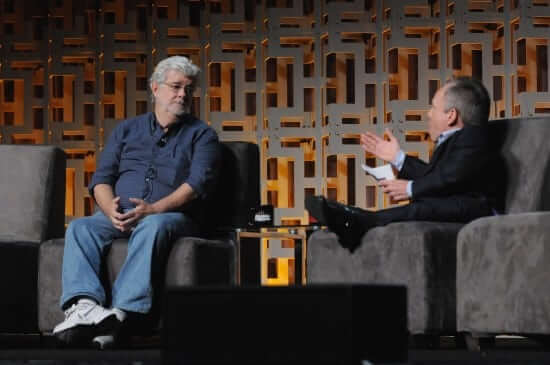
[{"x": 384, "y": 172}]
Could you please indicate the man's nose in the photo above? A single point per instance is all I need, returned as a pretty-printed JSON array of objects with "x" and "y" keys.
[{"x": 181, "y": 91}]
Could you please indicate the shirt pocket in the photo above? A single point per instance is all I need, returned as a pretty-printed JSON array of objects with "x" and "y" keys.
[
  {"x": 167, "y": 176},
  {"x": 174, "y": 171}
]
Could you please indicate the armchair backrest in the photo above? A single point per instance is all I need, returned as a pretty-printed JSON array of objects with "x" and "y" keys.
[
  {"x": 238, "y": 189},
  {"x": 524, "y": 181},
  {"x": 32, "y": 193}
]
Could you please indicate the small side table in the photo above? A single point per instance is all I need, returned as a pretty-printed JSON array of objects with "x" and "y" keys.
[{"x": 299, "y": 234}]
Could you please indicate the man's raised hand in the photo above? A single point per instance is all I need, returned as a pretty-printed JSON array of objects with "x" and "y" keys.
[{"x": 379, "y": 147}]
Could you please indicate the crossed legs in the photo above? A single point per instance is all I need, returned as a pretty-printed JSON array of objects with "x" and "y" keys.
[
  {"x": 351, "y": 223},
  {"x": 86, "y": 242}
]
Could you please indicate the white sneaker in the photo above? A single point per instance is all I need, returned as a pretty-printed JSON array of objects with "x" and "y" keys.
[{"x": 80, "y": 321}]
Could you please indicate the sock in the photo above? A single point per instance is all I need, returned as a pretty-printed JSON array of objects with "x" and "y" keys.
[
  {"x": 120, "y": 314},
  {"x": 77, "y": 299}
]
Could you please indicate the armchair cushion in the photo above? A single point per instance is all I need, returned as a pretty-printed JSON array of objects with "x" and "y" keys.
[
  {"x": 238, "y": 189},
  {"x": 420, "y": 255},
  {"x": 32, "y": 185}
]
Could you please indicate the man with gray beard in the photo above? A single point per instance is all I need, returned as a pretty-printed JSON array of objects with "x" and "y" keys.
[{"x": 150, "y": 185}]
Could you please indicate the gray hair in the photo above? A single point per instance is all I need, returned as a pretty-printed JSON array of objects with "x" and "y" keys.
[
  {"x": 470, "y": 99},
  {"x": 178, "y": 63}
]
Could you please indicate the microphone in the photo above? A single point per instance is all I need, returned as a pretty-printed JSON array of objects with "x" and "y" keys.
[{"x": 162, "y": 142}]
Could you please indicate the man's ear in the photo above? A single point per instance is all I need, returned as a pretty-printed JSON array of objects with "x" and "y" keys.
[
  {"x": 452, "y": 117},
  {"x": 154, "y": 87}
]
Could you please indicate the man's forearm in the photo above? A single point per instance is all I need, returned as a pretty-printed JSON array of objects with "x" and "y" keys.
[
  {"x": 104, "y": 195},
  {"x": 174, "y": 201}
]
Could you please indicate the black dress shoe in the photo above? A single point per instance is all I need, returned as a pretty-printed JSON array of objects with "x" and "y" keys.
[
  {"x": 347, "y": 222},
  {"x": 317, "y": 208}
]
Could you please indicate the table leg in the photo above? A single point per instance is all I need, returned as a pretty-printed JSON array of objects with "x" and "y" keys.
[
  {"x": 298, "y": 262},
  {"x": 238, "y": 257}
]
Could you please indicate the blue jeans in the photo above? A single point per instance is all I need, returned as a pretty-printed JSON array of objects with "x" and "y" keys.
[{"x": 87, "y": 239}]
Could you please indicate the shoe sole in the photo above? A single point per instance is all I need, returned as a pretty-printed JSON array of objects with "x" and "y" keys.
[
  {"x": 317, "y": 208},
  {"x": 107, "y": 333},
  {"x": 104, "y": 342},
  {"x": 77, "y": 336},
  {"x": 84, "y": 335}
]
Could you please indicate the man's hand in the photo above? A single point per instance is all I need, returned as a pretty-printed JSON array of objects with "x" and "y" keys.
[
  {"x": 396, "y": 189},
  {"x": 386, "y": 150},
  {"x": 125, "y": 222},
  {"x": 118, "y": 219},
  {"x": 141, "y": 210}
]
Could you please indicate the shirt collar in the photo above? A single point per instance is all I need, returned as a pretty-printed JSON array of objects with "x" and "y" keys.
[
  {"x": 445, "y": 135},
  {"x": 155, "y": 125}
]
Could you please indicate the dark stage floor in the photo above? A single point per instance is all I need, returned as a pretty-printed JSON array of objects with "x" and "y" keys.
[{"x": 506, "y": 350}]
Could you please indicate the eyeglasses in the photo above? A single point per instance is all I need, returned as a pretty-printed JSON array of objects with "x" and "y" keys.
[
  {"x": 188, "y": 89},
  {"x": 150, "y": 175}
]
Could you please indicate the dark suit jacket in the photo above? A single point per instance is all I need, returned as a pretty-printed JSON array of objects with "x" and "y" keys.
[{"x": 461, "y": 166}]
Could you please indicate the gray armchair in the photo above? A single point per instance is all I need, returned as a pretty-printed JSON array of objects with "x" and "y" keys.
[
  {"x": 503, "y": 262},
  {"x": 193, "y": 261},
  {"x": 32, "y": 192},
  {"x": 420, "y": 255}
]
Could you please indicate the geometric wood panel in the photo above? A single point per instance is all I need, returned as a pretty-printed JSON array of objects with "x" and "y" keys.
[{"x": 301, "y": 78}]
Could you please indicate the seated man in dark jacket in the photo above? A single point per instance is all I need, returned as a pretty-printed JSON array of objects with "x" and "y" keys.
[
  {"x": 455, "y": 186},
  {"x": 150, "y": 185}
]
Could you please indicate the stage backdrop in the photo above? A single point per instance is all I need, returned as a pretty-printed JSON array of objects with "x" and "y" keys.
[{"x": 301, "y": 78}]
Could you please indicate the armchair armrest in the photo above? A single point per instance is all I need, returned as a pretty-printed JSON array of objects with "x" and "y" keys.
[{"x": 503, "y": 271}]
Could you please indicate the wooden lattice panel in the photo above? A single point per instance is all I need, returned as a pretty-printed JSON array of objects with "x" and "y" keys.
[{"x": 301, "y": 78}]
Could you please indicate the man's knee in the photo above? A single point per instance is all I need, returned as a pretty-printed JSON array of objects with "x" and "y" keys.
[
  {"x": 77, "y": 226},
  {"x": 154, "y": 222},
  {"x": 451, "y": 209}
]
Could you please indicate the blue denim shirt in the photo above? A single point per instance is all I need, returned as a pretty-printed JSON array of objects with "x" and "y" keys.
[{"x": 141, "y": 161}]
